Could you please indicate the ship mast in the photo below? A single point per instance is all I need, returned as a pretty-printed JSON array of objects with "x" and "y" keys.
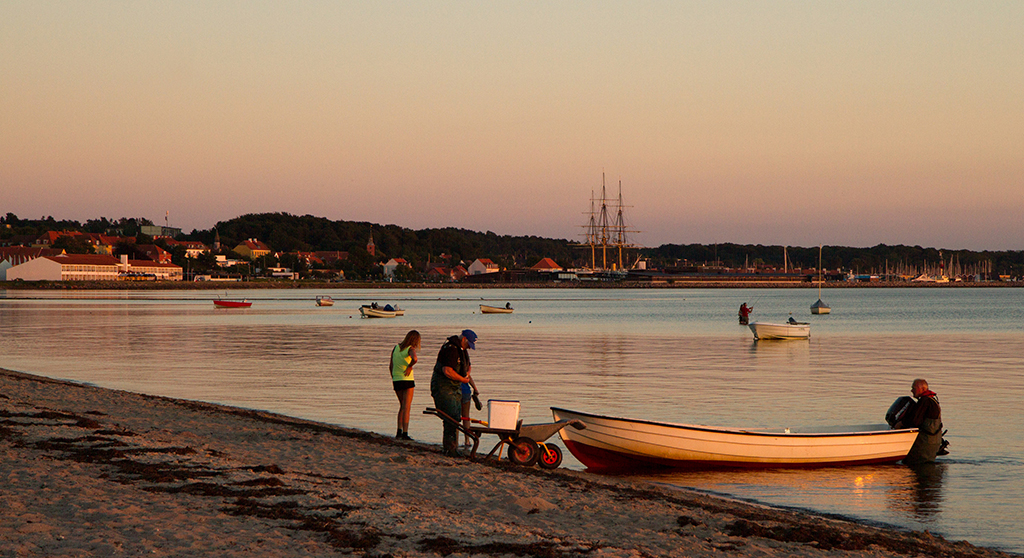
[{"x": 604, "y": 230}]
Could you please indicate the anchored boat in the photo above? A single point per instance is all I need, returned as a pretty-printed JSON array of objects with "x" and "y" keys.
[
  {"x": 788, "y": 330},
  {"x": 220, "y": 303}
]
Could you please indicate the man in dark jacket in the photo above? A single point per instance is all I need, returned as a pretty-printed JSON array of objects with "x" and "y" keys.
[
  {"x": 450, "y": 372},
  {"x": 926, "y": 416}
]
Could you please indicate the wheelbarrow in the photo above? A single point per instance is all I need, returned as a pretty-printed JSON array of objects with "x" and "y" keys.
[{"x": 526, "y": 443}]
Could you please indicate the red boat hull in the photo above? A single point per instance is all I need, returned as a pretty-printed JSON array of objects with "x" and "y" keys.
[{"x": 232, "y": 303}]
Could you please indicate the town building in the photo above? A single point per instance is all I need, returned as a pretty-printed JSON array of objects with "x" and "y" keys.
[
  {"x": 91, "y": 267},
  {"x": 483, "y": 265},
  {"x": 16, "y": 255},
  {"x": 393, "y": 264},
  {"x": 251, "y": 249},
  {"x": 193, "y": 249}
]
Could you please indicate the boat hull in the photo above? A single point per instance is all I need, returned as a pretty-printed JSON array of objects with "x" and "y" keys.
[
  {"x": 484, "y": 309},
  {"x": 619, "y": 443},
  {"x": 820, "y": 308},
  {"x": 324, "y": 301},
  {"x": 232, "y": 304},
  {"x": 765, "y": 330}
]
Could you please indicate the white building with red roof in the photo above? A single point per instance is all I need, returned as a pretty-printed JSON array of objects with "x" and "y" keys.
[
  {"x": 393, "y": 264},
  {"x": 11, "y": 256},
  {"x": 91, "y": 267},
  {"x": 483, "y": 265}
]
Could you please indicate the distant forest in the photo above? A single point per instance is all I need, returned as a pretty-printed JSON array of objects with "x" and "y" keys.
[{"x": 283, "y": 232}]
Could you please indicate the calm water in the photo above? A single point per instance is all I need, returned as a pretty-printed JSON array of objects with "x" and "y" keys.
[{"x": 674, "y": 355}]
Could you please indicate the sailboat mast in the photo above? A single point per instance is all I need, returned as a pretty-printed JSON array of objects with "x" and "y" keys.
[{"x": 819, "y": 272}]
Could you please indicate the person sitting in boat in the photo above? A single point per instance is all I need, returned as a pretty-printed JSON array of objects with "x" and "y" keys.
[
  {"x": 791, "y": 320},
  {"x": 508, "y": 305},
  {"x": 374, "y": 305},
  {"x": 926, "y": 416}
]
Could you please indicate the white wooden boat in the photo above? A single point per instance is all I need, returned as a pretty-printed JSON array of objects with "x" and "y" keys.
[
  {"x": 789, "y": 330},
  {"x": 619, "y": 443},
  {"x": 485, "y": 309},
  {"x": 324, "y": 300},
  {"x": 370, "y": 312}
]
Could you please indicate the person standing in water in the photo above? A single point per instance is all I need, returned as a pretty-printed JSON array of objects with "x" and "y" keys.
[
  {"x": 926, "y": 416},
  {"x": 403, "y": 358}
]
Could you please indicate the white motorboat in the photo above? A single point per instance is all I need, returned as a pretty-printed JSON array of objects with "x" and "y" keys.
[
  {"x": 323, "y": 300},
  {"x": 618, "y": 443},
  {"x": 788, "y": 330}
]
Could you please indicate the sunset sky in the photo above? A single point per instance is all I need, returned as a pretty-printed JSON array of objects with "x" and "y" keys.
[{"x": 796, "y": 123}]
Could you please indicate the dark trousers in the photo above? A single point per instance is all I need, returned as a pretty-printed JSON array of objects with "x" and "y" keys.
[{"x": 449, "y": 401}]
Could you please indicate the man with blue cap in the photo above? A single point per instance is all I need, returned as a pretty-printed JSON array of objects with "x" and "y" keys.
[{"x": 450, "y": 372}]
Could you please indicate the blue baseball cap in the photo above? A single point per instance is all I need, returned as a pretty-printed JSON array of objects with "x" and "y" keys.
[{"x": 470, "y": 336}]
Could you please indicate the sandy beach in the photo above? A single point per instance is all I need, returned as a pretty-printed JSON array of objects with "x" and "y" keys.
[{"x": 96, "y": 472}]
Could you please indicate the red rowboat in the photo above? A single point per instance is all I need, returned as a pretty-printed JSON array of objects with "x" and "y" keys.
[{"x": 231, "y": 303}]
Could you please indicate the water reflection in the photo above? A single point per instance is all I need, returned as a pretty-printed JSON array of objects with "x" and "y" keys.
[
  {"x": 921, "y": 497},
  {"x": 906, "y": 491}
]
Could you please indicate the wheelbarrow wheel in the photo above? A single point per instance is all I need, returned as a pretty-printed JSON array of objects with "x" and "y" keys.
[
  {"x": 523, "y": 451},
  {"x": 550, "y": 456}
]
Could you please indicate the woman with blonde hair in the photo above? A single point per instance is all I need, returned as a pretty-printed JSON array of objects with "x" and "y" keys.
[{"x": 403, "y": 357}]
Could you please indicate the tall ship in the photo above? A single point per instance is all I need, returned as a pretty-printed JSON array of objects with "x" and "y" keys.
[{"x": 606, "y": 237}]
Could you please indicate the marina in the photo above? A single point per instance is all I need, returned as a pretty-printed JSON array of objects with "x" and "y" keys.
[{"x": 682, "y": 359}]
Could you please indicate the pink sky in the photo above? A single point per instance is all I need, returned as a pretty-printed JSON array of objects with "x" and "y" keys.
[{"x": 797, "y": 123}]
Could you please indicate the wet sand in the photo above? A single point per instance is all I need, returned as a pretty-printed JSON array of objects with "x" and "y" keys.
[{"x": 87, "y": 471}]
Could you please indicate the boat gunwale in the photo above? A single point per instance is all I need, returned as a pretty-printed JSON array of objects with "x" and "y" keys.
[{"x": 738, "y": 431}]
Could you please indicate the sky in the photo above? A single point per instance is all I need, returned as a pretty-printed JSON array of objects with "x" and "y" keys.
[{"x": 793, "y": 123}]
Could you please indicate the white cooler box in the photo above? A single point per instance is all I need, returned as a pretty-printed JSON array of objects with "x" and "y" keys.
[{"x": 503, "y": 415}]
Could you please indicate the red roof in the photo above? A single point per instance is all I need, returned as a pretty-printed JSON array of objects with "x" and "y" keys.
[
  {"x": 84, "y": 259},
  {"x": 21, "y": 254},
  {"x": 546, "y": 264},
  {"x": 150, "y": 263},
  {"x": 255, "y": 245}
]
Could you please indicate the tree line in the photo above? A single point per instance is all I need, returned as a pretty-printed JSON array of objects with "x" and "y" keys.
[{"x": 287, "y": 233}]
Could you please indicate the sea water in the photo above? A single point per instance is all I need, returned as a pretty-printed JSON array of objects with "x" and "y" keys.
[{"x": 675, "y": 355}]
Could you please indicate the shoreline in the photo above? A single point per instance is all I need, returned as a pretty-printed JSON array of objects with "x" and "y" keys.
[
  {"x": 92, "y": 471},
  {"x": 310, "y": 285}
]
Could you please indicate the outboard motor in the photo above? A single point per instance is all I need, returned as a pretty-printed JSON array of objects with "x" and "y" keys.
[{"x": 898, "y": 409}]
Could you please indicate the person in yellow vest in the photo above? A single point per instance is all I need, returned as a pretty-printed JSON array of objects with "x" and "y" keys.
[{"x": 403, "y": 358}]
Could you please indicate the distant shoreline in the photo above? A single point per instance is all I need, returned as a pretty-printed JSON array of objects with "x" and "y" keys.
[{"x": 307, "y": 285}]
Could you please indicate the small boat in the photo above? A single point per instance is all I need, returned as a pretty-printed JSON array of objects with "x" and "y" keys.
[
  {"x": 620, "y": 443},
  {"x": 820, "y": 307},
  {"x": 485, "y": 309},
  {"x": 220, "y": 303},
  {"x": 788, "y": 330},
  {"x": 386, "y": 311},
  {"x": 324, "y": 300}
]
